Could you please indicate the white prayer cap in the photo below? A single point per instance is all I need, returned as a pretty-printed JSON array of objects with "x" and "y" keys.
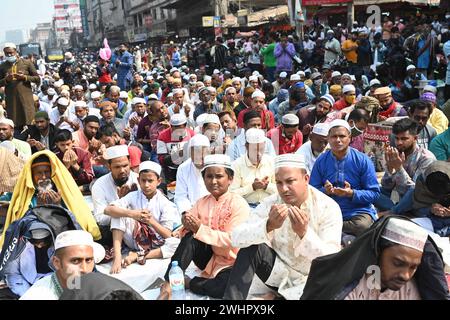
[
  {"x": 147, "y": 78},
  {"x": 348, "y": 88},
  {"x": 68, "y": 55},
  {"x": 80, "y": 104},
  {"x": 430, "y": 88},
  {"x": 228, "y": 89},
  {"x": 340, "y": 123},
  {"x": 51, "y": 91},
  {"x": 201, "y": 119},
  {"x": 301, "y": 73},
  {"x": 329, "y": 98},
  {"x": 116, "y": 152},
  {"x": 236, "y": 79},
  {"x": 92, "y": 86},
  {"x": 123, "y": 95},
  {"x": 173, "y": 70},
  {"x": 79, "y": 238},
  {"x": 335, "y": 74},
  {"x": 410, "y": 67},
  {"x": 290, "y": 119},
  {"x": 212, "y": 89},
  {"x": 330, "y": 31},
  {"x": 152, "y": 97},
  {"x": 59, "y": 83},
  {"x": 63, "y": 102},
  {"x": 295, "y": 77},
  {"x": 216, "y": 71},
  {"x": 290, "y": 160},
  {"x": 96, "y": 95},
  {"x": 405, "y": 233},
  {"x": 178, "y": 90},
  {"x": 256, "y": 73},
  {"x": 178, "y": 119},
  {"x": 10, "y": 45},
  {"x": 254, "y": 135},
  {"x": 212, "y": 118},
  {"x": 217, "y": 160},
  {"x": 199, "y": 140},
  {"x": 150, "y": 165},
  {"x": 346, "y": 75},
  {"x": 374, "y": 82},
  {"x": 258, "y": 94},
  {"x": 193, "y": 75},
  {"x": 283, "y": 74},
  {"x": 137, "y": 100},
  {"x": 6, "y": 121},
  {"x": 253, "y": 78},
  {"x": 207, "y": 78},
  {"x": 8, "y": 145},
  {"x": 78, "y": 87},
  {"x": 321, "y": 129},
  {"x": 170, "y": 95}
]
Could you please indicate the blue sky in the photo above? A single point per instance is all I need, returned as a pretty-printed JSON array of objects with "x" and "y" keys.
[{"x": 24, "y": 14}]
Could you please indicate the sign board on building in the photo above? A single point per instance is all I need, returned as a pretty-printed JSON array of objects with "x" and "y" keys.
[
  {"x": 208, "y": 21},
  {"x": 216, "y": 22},
  {"x": 140, "y": 37}
]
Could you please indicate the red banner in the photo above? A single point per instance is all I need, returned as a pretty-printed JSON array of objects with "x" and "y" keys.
[{"x": 321, "y": 2}]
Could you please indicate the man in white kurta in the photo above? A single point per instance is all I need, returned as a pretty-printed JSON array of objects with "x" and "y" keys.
[
  {"x": 190, "y": 185},
  {"x": 106, "y": 189},
  {"x": 284, "y": 234}
]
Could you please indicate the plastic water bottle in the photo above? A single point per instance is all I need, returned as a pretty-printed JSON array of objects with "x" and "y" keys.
[{"x": 176, "y": 279}]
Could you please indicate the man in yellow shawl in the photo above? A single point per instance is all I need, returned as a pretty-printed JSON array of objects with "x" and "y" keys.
[{"x": 45, "y": 180}]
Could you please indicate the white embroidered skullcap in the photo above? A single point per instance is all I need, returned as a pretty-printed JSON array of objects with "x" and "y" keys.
[
  {"x": 329, "y": 98},
  {"x": 295, "y": 77},
  {"x": 80, "y": 104},
  {"x": 63, "y": 102},
  {"x": 348, "y": 88},
  {"x": 79, "y": 238},
  {"x": 291, "y": 160},
  {"x": 253, "y": 78},
  {"x": 92, "y": 86},
  {"x": 78, "y": 87},
  {"x": 236, "y": 79},
  {"x": 301, "y": 73},
  {"x": 410, "y": 67},
  {"x": 201, "y": 119},
  {"x": 283, "y": 74},
  {"x": 178, "y": 90},
  {"x": 123, "y": 95},
  {"x": 216, "y": 71},
  {"x": 228, "y": 89},
  {"x": 211, "y": 118},
  {"x": 137, "y": 100},
  {"x": 152, "y": 97},
  {"x": 258, "y": 94},
  {"x": 256, "y": 73},
  {"x": 254, "y": 135},
  {"x": 199, "y": 140},
  {"x": 217, "y": 160},
  {"x": 207, "y": 78},
  {"x": 6, "y": 121},
  {"x": 405, "y": 233},
  {"x": 51, "y": 91},
  {"x": 173, "y": 70},
  {"x": 116, "y": 152},
  {"x": 374, "y": 82},
  {"x": 147, "y": 78},
  {"x": 335, "y": 74},
  {"x": 96, "y": 95},
  {"x": 321, "y": 129},
  {"x": 10, "y": 45},
  {"x": 212, "y": 89},
  {"x": 170, "y": 95},
  {"x": 340, "y": 123},
  {"x": 178, "y": 119},
  {"x": 59, "y": 83},
  {"x": 290, "y": 119},
  {"x": 150, "y": 165}
]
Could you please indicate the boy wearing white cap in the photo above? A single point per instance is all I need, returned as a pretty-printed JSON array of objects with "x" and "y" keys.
[
  {"x": 253, "y": 172},
  {"x": 171, "y": 145},
  {"x": 315, "y": 146},
  {"x": 146, "y": 221},
  {"x": 395, "y": 260},
  {"x": 286, "y": 138},
  {"x": 348, "y": 176},
  {"x": 76, "y": 254},
  {"x": 190, "y": 185},
  {"x": 284, "y": 234},
  {"x": 207, "y": 228}
]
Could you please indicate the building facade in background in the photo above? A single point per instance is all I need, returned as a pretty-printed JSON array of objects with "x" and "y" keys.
[{"x": 67, "y": 20}]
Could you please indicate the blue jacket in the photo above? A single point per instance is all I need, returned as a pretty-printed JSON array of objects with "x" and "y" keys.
[
  {"x": 124, "y": 70},
  {"x": 357, "y": 169}
]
